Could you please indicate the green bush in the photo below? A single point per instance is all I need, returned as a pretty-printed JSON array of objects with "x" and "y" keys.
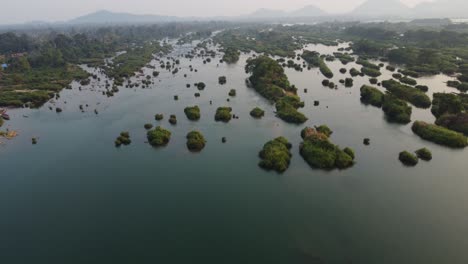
[
  {"x": 232, "y": 92},
  {"x": 409, "y": 81},
  {"x": 371, "y": 72}
]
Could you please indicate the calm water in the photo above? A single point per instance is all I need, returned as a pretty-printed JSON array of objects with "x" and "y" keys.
[{"x": 75, "y": 198}]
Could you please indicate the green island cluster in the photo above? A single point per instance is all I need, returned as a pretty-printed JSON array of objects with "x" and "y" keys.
[
  {"x": 411, "y": 160},
  {"x": 450, "y": 111},
  {"x": 395, "y": 110},
  {"x": 276, "y": 155},
  {"x": 124, "y": 139},
  {"x": 407, "y": 93},
  {"x": 268, "y": 79},
  {"x": 231, "y": 55},
  {"x": 314, "y": 59},
  {"x": 319, "y": 152}
]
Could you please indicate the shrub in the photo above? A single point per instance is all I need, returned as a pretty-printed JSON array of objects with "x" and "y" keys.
[
  {"x": 232, "y": 92},
  {"x": 222, "y": 80},
  {"x": 409, "y": 81},
  {"x": 148, "y": 126},
  {"x": 348, "y": 82},
  {"x": 371, "y": 72},
  {"x": 200, "y": 85}
]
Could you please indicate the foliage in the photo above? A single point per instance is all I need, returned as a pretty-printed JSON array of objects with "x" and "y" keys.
[
  {"x": 276, "y": 155},
  {"x": 319, "y": 152},
  {"x": 424, "y": 154},
  {"x": 268, "y": 79},
  {"x": 231, "y": 55},
  {"x": 396, "y": 110},
  {"x": 158, "y": 136},
  {"x": 192, "y": 113},
  {"x": 408, "y": 159},
  {"x": 314, "y": 59},
  {"x": 371, "y": 95},
  {"x": 257, "y": 112},
  {"x": 195, "y": 141},
  {"x": 439, "y": 135},
  {"x": 408, "y": 93},
  {"x": 223, "y": 114}
]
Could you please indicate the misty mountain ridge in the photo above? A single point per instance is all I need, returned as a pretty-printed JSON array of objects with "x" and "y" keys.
[
  {"x": 307, "y": 11},
  {"x": 108, "y": 17}
]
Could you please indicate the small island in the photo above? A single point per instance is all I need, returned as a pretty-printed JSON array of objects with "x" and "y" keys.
[
  {"x": 158, "y": 136},
  {"x": 424, "y": 154},
  {"x": 257, "y": 112},
  {"x": 223, "y": 114},
  {"x": 319, "y": 152},
  {"x": 408, "y": 159},
  {"x": 439, "y": 135},
  {"x": 124, "y": 139},
  {"x": 192, "y": 113},
  {"x": 195, "y": 141},
  {"x": 276, "y": 155}
]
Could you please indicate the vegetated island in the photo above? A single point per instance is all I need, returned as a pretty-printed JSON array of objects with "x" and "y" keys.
[
  {"x": 192, "y": 113},
  {"x": 268, "y": 79},
  {"x": 408, "y": 159},
  {"x": 276, "y": 155},
  {"x": 195, "y": 141},
  {"x": 319, "y": 152},
  {"x": 223, "y": 114},
  {"x": 158, "y": 137},
  {"x": 450, "y": 109},
  {"x": 257, "y": 112},
  {"x": 410, "y": 94},
  {"x": 439, "y": 135},
  {"x": 314, "y": 59}
]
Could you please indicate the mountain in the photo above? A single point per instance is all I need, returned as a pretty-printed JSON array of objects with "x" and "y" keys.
[
  {"x": 442, "y": 9},
  {"x": 382, "y": 8},
  {"x": 308, "y": 11},
  {"x": 107, "y": 17},
  {"x": 267, "y": 13}
]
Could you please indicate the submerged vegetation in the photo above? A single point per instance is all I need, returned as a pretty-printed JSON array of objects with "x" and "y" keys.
[{"x": 276, "y": 155}]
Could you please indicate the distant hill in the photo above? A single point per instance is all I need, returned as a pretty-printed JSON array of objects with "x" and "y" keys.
[
  {"x": 382, "y": 8},
  {"x": 308, "y": 11},
  {"x": 107, "y": 17},
  {"x": 267, "y": 13},
  {"x": 442, "y": 9}
]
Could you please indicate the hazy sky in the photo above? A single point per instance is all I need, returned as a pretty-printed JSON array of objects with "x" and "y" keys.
[{"x": 17, "y": 11}]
